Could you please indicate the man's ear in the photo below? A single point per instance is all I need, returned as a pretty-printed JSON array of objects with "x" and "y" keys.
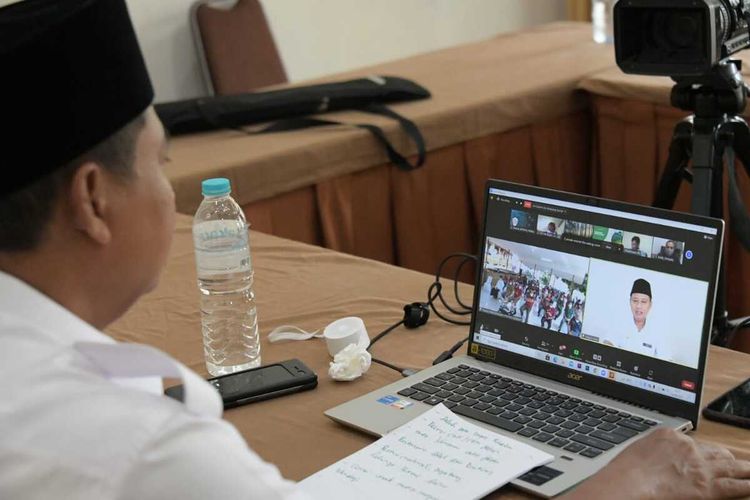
[{"x": 89, "y": 189}]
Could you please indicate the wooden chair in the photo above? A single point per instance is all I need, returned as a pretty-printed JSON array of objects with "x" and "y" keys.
[{"x": 235, "y": 46}]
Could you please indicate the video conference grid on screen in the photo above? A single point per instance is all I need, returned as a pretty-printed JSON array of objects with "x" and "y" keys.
[{"x": 595, "y": 296}]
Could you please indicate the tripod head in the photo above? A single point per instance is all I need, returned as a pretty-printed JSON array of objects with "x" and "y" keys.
[{"x": 721, "y": 91}]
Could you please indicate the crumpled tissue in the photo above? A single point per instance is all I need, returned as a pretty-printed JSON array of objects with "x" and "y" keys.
[{"x": 350, "y": 363}]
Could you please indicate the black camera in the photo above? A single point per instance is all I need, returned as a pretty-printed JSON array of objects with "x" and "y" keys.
[{"x": 678, "y": 37}]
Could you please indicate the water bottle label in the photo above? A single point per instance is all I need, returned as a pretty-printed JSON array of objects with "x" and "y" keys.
[{"x": 221, "y": 246}]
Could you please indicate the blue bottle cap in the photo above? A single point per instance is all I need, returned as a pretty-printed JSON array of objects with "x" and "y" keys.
[{"x": 216, "y": 187}]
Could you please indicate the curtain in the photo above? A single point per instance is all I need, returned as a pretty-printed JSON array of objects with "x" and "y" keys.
[{"x": 579, "y": 10}]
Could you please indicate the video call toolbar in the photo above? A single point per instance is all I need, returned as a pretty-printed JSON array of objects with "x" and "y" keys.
[{"x": 577, "y": 364}]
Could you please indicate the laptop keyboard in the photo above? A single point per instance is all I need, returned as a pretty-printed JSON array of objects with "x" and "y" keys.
[{"x": 575, "y": 425}]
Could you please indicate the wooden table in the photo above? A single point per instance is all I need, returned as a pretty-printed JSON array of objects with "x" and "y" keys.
[
  {"x": 309, "y": 287},
  {"x": 507, "y": 107}
]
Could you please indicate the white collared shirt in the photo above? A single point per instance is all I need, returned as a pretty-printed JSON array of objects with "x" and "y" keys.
[
  {"x": 646, "y": 341},
  {"x": 69, "y": 430}
]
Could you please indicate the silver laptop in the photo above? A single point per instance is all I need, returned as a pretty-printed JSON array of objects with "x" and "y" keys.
[{"x": 590, "y": 328}]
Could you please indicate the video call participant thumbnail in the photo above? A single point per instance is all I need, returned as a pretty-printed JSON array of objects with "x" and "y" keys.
[
  {"x": 522, "y": 220},
  {"x": 550, "y": 226},
  {"x": 635, "y": 247},
  {"x": 668, "y": 250}
]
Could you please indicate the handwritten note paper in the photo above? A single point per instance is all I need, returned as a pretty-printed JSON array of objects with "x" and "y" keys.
[{"x": 438, "y": 455}]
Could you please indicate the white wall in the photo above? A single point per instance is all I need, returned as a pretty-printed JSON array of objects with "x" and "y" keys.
[{"x": 318, "y": 37}]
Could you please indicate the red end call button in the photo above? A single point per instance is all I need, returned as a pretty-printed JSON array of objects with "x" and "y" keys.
[
  {"x": 688, "y": 385},
  {"x": 526, "y": 204}
]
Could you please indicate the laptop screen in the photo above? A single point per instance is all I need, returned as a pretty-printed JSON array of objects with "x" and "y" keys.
[{"x": 597, "y": 290}]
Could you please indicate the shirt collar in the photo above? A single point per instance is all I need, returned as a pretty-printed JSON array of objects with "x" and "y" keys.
[{"x": 25, "y": 304}]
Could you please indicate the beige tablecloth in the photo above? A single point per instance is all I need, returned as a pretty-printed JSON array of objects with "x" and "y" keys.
[{"x": 309, "y": 287}]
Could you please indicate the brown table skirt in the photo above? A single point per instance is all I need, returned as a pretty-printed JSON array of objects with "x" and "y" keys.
[{"x": 415, "y": 219}]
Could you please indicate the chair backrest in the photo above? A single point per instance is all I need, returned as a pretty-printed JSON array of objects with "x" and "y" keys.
[{"x": 235, "y": 46}]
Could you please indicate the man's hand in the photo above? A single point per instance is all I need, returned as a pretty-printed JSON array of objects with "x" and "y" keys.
[{"x": 665, "y": 465}]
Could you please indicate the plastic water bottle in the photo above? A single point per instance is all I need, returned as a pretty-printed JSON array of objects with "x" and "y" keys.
[
  {"x": 602, "y": 17},
  {"x": 225, "y": 280}
]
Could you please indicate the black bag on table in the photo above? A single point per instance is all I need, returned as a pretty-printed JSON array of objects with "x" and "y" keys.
[{"x": 288, "y": 109}]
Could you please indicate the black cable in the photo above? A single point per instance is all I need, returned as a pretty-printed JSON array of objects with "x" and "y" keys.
[
  {"x": 455, "y": 281},
  {"x": 436, "y": 291},
  {"x": 392, "y": 367},
  {"x": 385, "y": 332},
  {"x": 433, "y": 292},
  {"x": 449, "y": 353},
  {"x": 438, "y": 274},
  {"x": 431, "y": 301},
  {"x": 403, "y": 371},
  {"x": 439, "y": 288}
]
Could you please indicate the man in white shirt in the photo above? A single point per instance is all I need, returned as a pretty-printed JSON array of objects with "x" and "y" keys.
[
  {"x": 86, "y": 218},
  {"x": 640, "y": 336},
  {"x": 85, "y": 225}
]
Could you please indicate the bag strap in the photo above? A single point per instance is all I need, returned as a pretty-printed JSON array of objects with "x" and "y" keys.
[{"x": 394, "y": 156}]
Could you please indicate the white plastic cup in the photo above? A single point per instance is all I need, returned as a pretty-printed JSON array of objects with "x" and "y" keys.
[{"x": 345, "y": 331}]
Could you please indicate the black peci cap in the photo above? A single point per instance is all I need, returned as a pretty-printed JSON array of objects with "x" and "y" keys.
[
  {"x": 641, "y": 286},
  {"x": 72, "y": 75}
]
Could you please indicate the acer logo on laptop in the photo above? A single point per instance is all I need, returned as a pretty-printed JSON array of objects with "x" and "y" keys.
[{"x": 574, "y": 376}]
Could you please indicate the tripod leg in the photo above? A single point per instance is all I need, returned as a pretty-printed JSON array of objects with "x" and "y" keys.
[
  {"x": 740, "y": 219},
  {"x": 709, "y": 142},
  {"x": 675, "y": 168},
  {"x": 710, "y": 139}
]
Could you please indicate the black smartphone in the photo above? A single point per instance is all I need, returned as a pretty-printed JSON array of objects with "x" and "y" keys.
[
  {"x": 732, "y": 407},
  {"x": 257, "y": 384}
]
